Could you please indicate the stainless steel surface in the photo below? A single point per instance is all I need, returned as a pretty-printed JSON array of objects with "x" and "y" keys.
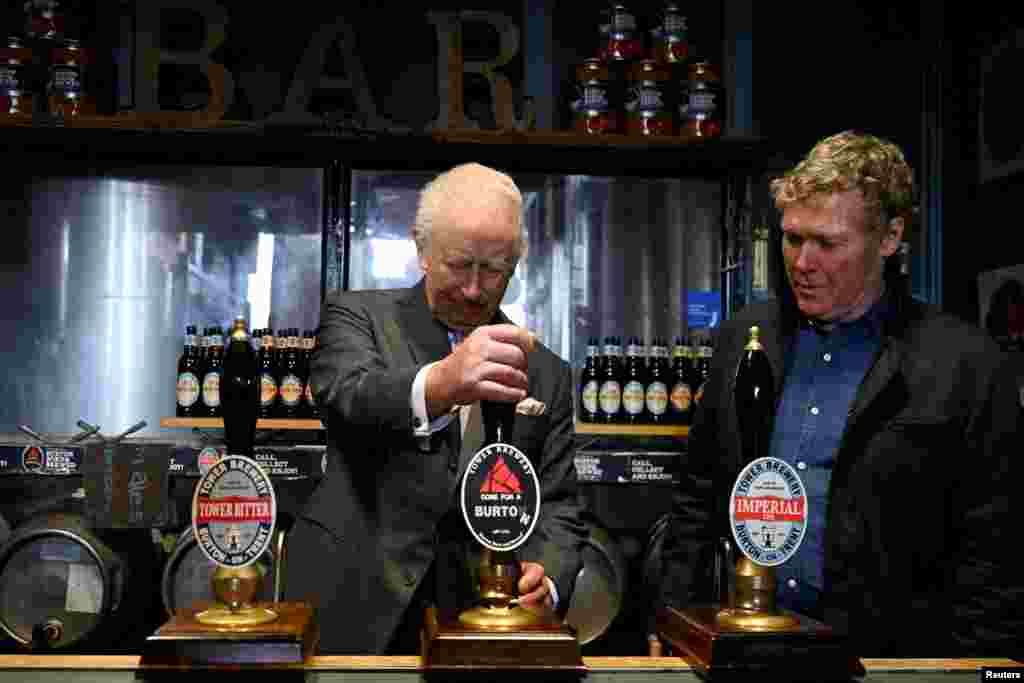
[
  {"x": 119, "y": 261},
  {"x": 605, "y": 255}
]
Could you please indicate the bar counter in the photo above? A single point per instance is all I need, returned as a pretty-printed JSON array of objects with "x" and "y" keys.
[{"x": 331, "y": 669}]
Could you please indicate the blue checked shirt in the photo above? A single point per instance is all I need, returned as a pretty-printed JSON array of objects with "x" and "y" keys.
[{"x": 824, "y": 373}]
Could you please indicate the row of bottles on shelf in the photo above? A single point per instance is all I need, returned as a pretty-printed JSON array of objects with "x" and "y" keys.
[
  {"x": 643, "y": 388},
  {"x": 282, "y": 369}
]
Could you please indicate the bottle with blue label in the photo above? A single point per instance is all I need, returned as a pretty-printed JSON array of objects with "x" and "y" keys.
[{"x": 700, "y": 112}]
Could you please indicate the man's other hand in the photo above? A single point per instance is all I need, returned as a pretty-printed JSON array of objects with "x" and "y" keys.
[{"x": 533, "y": 589}]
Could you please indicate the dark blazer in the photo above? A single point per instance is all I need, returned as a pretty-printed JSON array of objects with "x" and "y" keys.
[
  {"x": 387, "y": 511},
  {"x": 920, "y": 532}
]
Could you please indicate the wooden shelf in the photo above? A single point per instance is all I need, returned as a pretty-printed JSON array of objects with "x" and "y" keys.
[
  {"x": 181, "y": 138},
  {"x": 218, "y": 423},
  {"x": 634, "y": 430}
]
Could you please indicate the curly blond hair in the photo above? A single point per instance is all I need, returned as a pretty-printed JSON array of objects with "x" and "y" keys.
[{"x": 852, "y": 161}]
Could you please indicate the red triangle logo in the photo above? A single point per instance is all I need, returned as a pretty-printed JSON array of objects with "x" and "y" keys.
[{"x": 501, "y": 479}]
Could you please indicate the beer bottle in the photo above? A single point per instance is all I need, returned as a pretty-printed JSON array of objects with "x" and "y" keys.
[
  {"x": 702, "y": 367},
  {"x": 280, "y": 348},
  {"x": 656, "y": 395},
  {"x": 755, "y": 398},
  {"x": 681, "y": 395},
  {"x": 187, "y": 389},
  {"x": 635, "y": 384},
  {"x": 589, "y": 384},
  {"x": 311, "y": 409},
  {"x": 212, "y": 374},
  {"x": 289, "y": 378},
  {"x": 267, "y": 369},
  {"x": 204, "y": 352},
  {"x": 301, "y": 340},
  {"x": 610, "y": 393},
  {"x": 239, "y": 391}
]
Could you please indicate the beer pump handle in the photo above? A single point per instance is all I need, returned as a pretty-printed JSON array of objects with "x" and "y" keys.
[
  {"x": 131, "y": 430},
  {"x": 498, "y": 419},
  {"x": 31, "y": 432}
]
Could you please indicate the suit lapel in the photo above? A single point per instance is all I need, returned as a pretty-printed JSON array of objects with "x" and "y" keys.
[
  {"x": 426, "y": 338},
  {"x": 903, "y": 310}
]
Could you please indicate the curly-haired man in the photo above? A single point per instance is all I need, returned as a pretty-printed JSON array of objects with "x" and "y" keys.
[{"x": 902, "y": 422}]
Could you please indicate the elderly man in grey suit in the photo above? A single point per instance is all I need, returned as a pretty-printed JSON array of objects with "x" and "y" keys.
[{"x": 382, "y": 536}]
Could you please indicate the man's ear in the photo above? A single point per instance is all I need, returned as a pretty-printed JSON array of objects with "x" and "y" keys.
[{"x": 892, "y": 235}]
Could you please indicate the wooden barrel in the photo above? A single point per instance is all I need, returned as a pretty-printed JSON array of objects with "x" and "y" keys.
[
  {"x": 67, "y": 586},
  {"x": 188, "y": 573},
  {"x": 714, "y": 566},
  {"x": 600, "y": 586},
  {"x": 652, "y": 563}
]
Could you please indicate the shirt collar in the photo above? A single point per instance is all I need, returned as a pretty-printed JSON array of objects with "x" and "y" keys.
[{"x": 873, "y": 321}]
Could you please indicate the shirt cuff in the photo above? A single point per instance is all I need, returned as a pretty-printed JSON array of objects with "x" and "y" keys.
[
  {"x": 422, "y": 426},
  {"x": 553, "y": 591}
]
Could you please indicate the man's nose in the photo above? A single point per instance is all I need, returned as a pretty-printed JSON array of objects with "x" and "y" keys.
[
  {"x": 804, "y": 258},
  {"x": 471, "y": 287}
]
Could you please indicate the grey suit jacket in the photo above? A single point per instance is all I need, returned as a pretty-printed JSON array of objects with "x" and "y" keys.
[{"x": 387, "y": 507}]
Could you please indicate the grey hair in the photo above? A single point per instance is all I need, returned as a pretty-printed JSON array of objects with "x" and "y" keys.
[{"x": 470, "y": 182}]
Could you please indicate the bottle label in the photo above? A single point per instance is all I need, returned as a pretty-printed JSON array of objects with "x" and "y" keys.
[
  {"x": 633, "y": 398},
  {"x": 699, "y": 396},
  {"x": 268, "y": 341},
  {"x": 211, "y": 389},
  {"x": 681, "y": 397},
  {"x": 645, "y": 98},
  {"x": 657, "y": 398},
  {"x": 188, "y": 389},
  {"x": 10, "y": 78},
  {"x": 702, "y": 104},
  {"x": 634, "y": 351},
  {"x": 66, "y": 78},
  {"x": 675, "y": 25},
  {"x": 291, "y": 390},
  {"x": 610, "y": 397},
  {"x": 705, "y": 352},
  {"x": 256, "y": 343},
  {"x": 590, "y": 396},
  {"x": 679, "y": 352},
  {"x": 592, "y": 351},
  {"x": 623, "y": 21},
  {"x": 190, "y": 340},
  {"x": 268, "y": 389},
  {"x": 308, "y": 394}
]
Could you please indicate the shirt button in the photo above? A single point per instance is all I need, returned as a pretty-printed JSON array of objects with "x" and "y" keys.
[
  {"x": 814, "y": 410},
  {"x": 801, "y": 465},
  {"x": 417, "y": 422},
  {"x": 791, "y": 583},
  {"x": 827, "y": 357}
]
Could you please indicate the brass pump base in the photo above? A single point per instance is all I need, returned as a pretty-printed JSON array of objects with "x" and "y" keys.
[
  {"x": 753, "y": 606},
  {"x": 749, "y": 620},
  {"x": 509, "y": 617},
  {"x": 235, "y": 588},
  {"x": 499, "y": 581}
]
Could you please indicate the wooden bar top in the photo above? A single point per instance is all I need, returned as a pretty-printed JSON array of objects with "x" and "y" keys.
[{"x": 876, "y": 668}]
